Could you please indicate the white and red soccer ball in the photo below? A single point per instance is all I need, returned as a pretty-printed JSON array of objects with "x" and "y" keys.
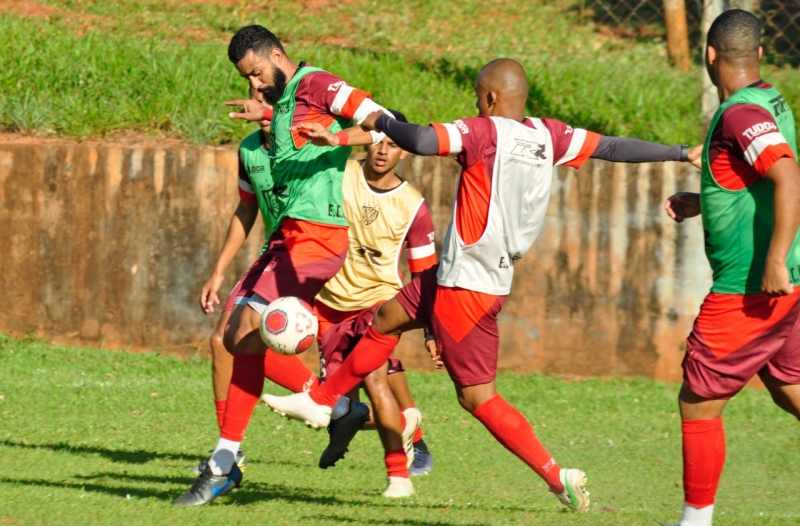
[{"x": 288, "y": 325}]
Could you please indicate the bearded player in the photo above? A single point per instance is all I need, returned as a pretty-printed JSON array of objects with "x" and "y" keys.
[
  {"x": 750, "y": 204},
  {"x": 385, "y": 213},
  {"x": 310, "y": 241},
  {"x": 507, "y": 163}
]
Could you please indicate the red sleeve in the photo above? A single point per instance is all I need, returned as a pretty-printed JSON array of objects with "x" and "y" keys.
[
  {"x": 469, "y": 140},
  {"x": 246, "y": 191},
  {"x": 571, "y": 146},
  {"x": 420, "y": 247},
  {"x": 752, "y": 134},
  {"x": 327, "y": 94}
]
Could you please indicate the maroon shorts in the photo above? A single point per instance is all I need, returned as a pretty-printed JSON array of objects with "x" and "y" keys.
[
  {"x": 737, "y": 336},
  {"x": 301, "y": 257},
  {"x": 464, "y": 323},
  {"x": 339, "y": 332}
]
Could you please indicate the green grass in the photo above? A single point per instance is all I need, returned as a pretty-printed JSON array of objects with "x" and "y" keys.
[
  {"x": 160, "y": 68},
  {"x": 98, "y": 437}
]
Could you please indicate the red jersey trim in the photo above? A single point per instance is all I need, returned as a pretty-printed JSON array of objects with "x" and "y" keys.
[
  {"x": 588, "y": 147},
  {"x": 248, "y": 197},
  {"x": 444, "y": 139},
  {"x": 770, "y": 156},
  {"x": 421, "y": 264}
]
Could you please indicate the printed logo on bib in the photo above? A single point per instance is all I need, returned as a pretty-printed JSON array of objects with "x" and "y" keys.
[
  {"x": 370, "y": 214},
  {"x": 365, "y": 252},
  {"x": 529, "y": 150},
  {"x": 779, "y": 105},
  {"x": 273, "y": 197},
  {"x": 256, "y": 169}
]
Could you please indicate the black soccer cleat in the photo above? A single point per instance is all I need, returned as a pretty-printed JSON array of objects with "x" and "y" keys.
[
  {"x": 208, "y": 487},
  {"x": 423, "y": 459},
  {"x": 341, "y": 433}
]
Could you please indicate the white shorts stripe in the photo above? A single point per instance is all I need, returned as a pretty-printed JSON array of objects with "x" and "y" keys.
[
  {"x": 760, "y": 143},
  {"x": 341, "y": 99},
  {"x": 575, "y": 145},
  {"x": 421, "y": 252},
  {"x": 257, "y": 303},
  {"x": 455, "y": 139}
]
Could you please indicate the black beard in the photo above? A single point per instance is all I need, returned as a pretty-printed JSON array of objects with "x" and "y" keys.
[{"x": 272, "y": 94}]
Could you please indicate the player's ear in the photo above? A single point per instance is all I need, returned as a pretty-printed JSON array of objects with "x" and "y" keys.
[
  {"x": 711, "y": 54},
  {"x": 760, "y": 52},
  {"x": 403, "y": 154}
]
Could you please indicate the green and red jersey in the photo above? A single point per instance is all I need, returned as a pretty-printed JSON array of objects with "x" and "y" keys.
[
  {"x": 749, "y": 133},
  {"x": 255, "y": 180}
]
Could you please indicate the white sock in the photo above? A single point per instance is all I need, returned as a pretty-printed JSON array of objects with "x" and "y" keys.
[
  {"x": 223, "y": 457},
  {"x": 697, "y": 516},
  {"x": 341, "y": 408}
]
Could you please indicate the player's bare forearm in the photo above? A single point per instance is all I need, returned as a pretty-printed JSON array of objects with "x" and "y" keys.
[
  {"x": 785, "y": 174},
  {"x": 242, "y": 221}
]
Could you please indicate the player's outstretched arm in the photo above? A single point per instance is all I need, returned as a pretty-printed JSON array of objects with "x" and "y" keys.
[
  {"x": 682, "y": 206},
  {"x": 353, "y": 136},
  {"x": 419, "y": 140},
  {"x": 239, "y": 227},
  {"x": 785, "y": 174},
  {"x": 252, "y": 110},
  {"x": 625, "y": 150}
]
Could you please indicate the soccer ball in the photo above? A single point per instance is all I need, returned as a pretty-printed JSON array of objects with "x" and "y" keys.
[{"x": 288, "y": 325}]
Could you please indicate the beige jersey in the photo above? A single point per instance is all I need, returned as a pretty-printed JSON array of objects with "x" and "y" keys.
[{"x": 380, "y": 224}]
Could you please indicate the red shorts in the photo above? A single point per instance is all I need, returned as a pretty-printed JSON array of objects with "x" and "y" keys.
[
  {"x": 301, "y": 257},
  {"x": 464, "y": 323},
  {"x": 737, "y": 336},
  {"x": 339, "y": 332}
]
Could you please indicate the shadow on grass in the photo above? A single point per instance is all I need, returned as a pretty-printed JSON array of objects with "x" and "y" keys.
[
  {"x": 115, "y": 455},
  {"x": 407, "y": 522}
]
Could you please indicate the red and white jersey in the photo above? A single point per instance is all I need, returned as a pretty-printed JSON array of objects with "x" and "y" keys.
[
  {"x": 744, "y": 144},
  {"x": 502, "y": 194}
]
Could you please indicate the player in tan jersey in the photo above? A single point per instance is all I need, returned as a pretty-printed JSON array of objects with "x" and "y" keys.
[{"x": 384, "y": 214}]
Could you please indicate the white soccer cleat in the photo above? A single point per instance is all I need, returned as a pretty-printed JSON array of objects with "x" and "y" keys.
[
  {"x": 399, "y": 487},
  {"x": 413, "y": 421},
  {"x": 300, "y": 406},
  {"x": 575, "y": 497}
]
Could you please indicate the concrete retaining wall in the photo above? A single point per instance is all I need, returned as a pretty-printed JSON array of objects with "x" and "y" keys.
[{"x": 110, "y": 244}]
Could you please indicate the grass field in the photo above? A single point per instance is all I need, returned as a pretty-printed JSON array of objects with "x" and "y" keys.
[
  {"x": 82, "y": 68},
  {"x": 99, "y": 437}
]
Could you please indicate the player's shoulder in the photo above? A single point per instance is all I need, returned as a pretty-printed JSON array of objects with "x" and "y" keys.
[
  {"x": 251, "y": 143},
  {"x": 746, "y": 118},
  {"x": 323, "y": 80}
]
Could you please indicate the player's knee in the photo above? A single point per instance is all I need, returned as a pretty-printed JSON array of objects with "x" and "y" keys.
[
  {"x": 377, "y": 385},
  {"x": 217, "y": 343},
  {"x": 468, "y": 403}
]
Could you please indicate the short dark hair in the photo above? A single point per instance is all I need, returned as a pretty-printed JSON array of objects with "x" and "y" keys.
[
  {"x": 398, "y": 116},
  {"x": 735, "y": 35},
  {"x": 257, "y": 38}
]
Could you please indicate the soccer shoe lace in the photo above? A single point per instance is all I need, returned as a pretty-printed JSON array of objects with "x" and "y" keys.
[
  {"x": 208, "y": 487},
  {"x": 342, "y": 431},
  {"x": 300, "y": 406},
  {"x": 241, "y": 461},
  {"x": 575, "y": 497},
  {"x": 423, "y": 459},
  {"x": 413, "y": 421},
  {"x": 399, "y": 487}
]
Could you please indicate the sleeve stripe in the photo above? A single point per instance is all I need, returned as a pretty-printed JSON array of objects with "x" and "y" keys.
[
  {"x": 341, "y": 99},
  {"x": 421, "y": 252},
  {"x": 760, "y": 143},
  {"x": 245, "y": 186},
  {"x": 575, "y": 146},
  {"x": 249, "y": 197},
  {"x": 420, "y": 265},
  {"x": 770, "y": 155},
  {"x": 358, "y": 102},
  {"x": 365, "y": 107},
  {"x": 449, "y": 139}
]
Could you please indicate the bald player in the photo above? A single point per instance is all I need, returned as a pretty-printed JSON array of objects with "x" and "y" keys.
[
  {"x": 750, "y": 202},
  {"x": 507, "y": 162}
]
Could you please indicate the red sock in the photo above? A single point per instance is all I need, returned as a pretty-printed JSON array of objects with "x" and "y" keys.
[
  {"x": 371, "y": 352},
  {"x": 247, "y": 382},
  {"x": 511, "y": 429},
  {"x": 703, "y": 458},
  {"x": 396, "y": 463},
  {"x": 289, "y": 372},
  {"x": 220, "y": 412},
  {"x": 418, "y": 434}
]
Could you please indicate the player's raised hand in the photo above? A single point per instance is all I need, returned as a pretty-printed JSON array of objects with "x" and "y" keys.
[
  {"x": 695, "y": 155},
  {"x": 369, "y": 122},
  {"x": 252, "y": 110},
  {"x": 683, "y": 205},
  {"x": 775, "y": 281},
  {"x": 316, "y": 133},
  {"x": 436, "y": 356},
  {"x": 208, "y": 295}
]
